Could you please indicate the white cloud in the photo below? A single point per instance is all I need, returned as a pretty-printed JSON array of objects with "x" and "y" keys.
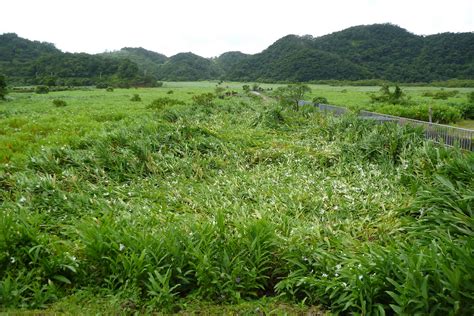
[{"x": 211, "y": 27}]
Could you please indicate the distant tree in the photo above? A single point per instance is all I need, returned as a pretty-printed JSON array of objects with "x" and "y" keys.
[
  {"x": 320, "y": 100},
  {"x": 386, "y": 96},
  {"x": 292, "y": 94},
  {"x": 3, "y": 87},
  {"x": 246, "y": 88}
]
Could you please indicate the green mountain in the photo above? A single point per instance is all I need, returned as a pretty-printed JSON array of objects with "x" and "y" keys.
[
  {"x": 188, "y": 66},
  {"x": 31, "y": 62},
  {"x": 147, "y": 61},
  {"x": 378, "y": 51}
]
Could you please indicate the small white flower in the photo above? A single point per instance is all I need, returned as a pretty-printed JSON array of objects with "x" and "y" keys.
[
  {"x": 336, "y": 275},
  {"x": 338, "y": 267},
  {"x": 325, "y": 275},
  {"x": 361, "y": 277},
  {"x": 121, "y": 247},
  {"x": 22, "y": 199},
  {"x": 344, "y": 284},
  {"x": 12, "y": 259}
]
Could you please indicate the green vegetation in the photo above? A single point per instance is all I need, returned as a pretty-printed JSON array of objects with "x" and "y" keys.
[
  {"x": 42, "y": 89},
  {"x": 31, "y": 63},
  {"x": 361, "y": 55},
  {"x": 59, "y": 103},
  {"x": 3, "y": 87},
  {"x": 292, "y": 94},
  {"x": 239, "y": 205},
  {"x": 136, "y": 98},
  {"x": 386, "y": 96}
]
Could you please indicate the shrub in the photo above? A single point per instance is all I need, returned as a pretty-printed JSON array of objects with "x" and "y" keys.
[
  {"x": 136, "y": 98},
  {"x": 102, "y": 85},
  {"x": 320, "y": 100},
  {"x": 441, "y": 95},
  {"x": 159, "y": 84},
  {"x": 42, "y": 90},
  {"x": 59, "y": 103},
  {"x": 386, "y": 96},
  {"x": 160, "y": 103},
  {"x": 466, "y": 109},
  {"x": 440, "y": 113},
  {"x": 470, "y": 97},
  {"x": 3, "y": 87},
  {"x": 292, "y": 94},
  {"x": 109, "y": 89},
  {"x": 204, "y": 99},
  {"x": 170, "y": 92}
]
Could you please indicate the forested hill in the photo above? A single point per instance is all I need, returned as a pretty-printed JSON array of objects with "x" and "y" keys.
[
  {"x": 379, "y": 51},
  {"x": 147, "y": 61},
  {"x": 32, "y": 62}
]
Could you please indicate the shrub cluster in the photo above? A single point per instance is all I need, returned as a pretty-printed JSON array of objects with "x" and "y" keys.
[
  {"x": 440, "y": 113},
  {"x": 59, "y": 103},
  {"x": 163, "y": 102}
]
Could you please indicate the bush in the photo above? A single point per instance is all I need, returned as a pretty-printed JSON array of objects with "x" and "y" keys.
[
  {"x": 109, "y": 89},
  {"x": 466, "y": 109},
  {"x": 441, "y": 95},
  {"x": 470, "y": 97},
  {"x": 136, "y": 98},
  {"x": 59, "y": 103},
  {"x": 386, "y": 96},
  {"x": 3, "y": 87},
  {"x": 42, "y": 90},
  {"x": 170, "y": 92},
  {"x": 102, "y": 85},
  {"x": 320, "y": 100},
  {"x": 161, "y": 103},
  {"x": 204, "y": 99},
  {"x": 159, "y": 84},
  {"x": 440, "y": 113}
]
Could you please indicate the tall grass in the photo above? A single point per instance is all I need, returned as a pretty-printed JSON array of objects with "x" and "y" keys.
[{"x": 239, "y": 201}]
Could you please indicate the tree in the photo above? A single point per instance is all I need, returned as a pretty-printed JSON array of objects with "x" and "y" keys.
[
  {"x": 292, "y": 94},
  {"x": 3, "y": 87}
]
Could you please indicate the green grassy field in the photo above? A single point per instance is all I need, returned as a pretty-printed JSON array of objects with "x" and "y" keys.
[{"x": 115, "y": 206}]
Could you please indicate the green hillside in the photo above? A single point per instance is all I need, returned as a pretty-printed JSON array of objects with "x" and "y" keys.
[
  {"x": 378, "y": 51},
  {"x": 147, "y": 61},
  {"x": 188, "y": 66}
]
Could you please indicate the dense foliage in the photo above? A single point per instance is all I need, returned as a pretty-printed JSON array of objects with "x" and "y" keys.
[
  {"x": 151, "y": 206},
  {"x": 368, "y": 52},
  {"x": 188, "y": 67},
  {"x": 147, "y": 61},
  {"x": 28, "y": 62},
  {"x": 380, "y": 51},
  {"x": 3, "y": 87}
]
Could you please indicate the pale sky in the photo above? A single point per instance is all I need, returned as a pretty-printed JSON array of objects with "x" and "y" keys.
[{"x": 212, "y": 27}]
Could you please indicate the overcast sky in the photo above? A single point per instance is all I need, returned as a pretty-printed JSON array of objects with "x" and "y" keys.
[{"x": 212, "y": 27}]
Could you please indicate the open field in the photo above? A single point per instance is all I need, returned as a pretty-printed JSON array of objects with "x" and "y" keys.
[{"x": 116, "y": 206}]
